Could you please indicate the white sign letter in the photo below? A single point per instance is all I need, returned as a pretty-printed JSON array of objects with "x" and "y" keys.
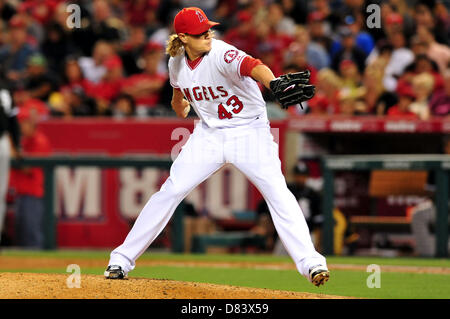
[
  {"x": 79, "y": 191},
  {"x": 133, "y": 185}
]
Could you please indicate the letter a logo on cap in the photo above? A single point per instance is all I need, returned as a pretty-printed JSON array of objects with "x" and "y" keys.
[{"x": 200, "y": 16}]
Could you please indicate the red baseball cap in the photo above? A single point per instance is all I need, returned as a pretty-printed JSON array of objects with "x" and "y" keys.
[
  {"x": 394, "y": 18},
  {"x": 404, "y": 89},
  {"x": 192, "y": 20},
  {"x": 113, "y": 62},
  {"x": 346, "y": 63},
  {"x": 33, "y": 109},
  {"x": 24, "y": 114},
  {"x": 244, "y": 16},
  {"x": 17, "y": 22},
  {"x": 152, "y": 47},
  {"x": 315, "y": 16}
]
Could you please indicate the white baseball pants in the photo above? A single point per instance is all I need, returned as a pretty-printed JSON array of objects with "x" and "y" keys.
[{"x": 252, "y": 150}]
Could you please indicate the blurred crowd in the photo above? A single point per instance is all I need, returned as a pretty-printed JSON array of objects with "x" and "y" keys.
[{"x": 114, "y": 64}]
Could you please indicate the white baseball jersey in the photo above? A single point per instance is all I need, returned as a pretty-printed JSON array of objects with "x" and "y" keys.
[{"x": 219, "y": 94}]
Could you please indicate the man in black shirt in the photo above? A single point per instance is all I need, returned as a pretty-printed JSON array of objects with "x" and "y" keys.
[
  {"x": 349, "y": 51},
  {"x": 40, "y": 82},
  {"x": 9, "y": 132}
]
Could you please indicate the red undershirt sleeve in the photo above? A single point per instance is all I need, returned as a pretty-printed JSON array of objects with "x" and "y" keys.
[{"x": 248, "y": 64}]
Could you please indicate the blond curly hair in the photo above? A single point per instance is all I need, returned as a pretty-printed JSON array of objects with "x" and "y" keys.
[{"x": 174, "y": 45}]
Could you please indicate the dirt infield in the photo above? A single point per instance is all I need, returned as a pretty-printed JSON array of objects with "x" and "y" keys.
[{"x": 54, "y": 286}]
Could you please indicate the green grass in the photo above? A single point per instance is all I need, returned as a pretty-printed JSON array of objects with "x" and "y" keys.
[
  {"x": 403, "y": 261},
  {"x": 55, "y": 253},
  {"x": 263, "y": 258},
  {"x": 343, "y": 283},
  {"x": 396, "y": 285}
]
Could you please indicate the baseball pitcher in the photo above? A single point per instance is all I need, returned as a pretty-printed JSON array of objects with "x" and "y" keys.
[{"x": 219, "y": 82}]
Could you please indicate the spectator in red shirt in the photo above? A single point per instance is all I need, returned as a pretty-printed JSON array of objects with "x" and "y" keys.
[
  {"x": 29, "y": 184},
  {"x": 140, "y": 12},
  {"x": 73, "y": 76},
  {"x": 326, "y": 99},
  {"x": 111, "y": 84},
  {"x": 145, "y": 87},
  {"x": 272, "y": 44},
  {"x": 243, "y": 36},
  {"x": 37, "y": 108},
  {"x": 41, "y": 10},
  {"x": 405, "y": 97},
  {"x": 267, "y": 52}
]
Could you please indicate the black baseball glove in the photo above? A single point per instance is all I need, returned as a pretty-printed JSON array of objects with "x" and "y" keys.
[{"x": 292, "y": 88}]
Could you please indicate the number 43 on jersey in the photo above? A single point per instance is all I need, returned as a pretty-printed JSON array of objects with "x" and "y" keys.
[{"x": 232, "y": 101}]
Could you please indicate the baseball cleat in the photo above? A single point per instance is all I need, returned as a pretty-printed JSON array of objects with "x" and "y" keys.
[
  {"x": 319, "y": 275},
  {"x": 114, "y": 272}
]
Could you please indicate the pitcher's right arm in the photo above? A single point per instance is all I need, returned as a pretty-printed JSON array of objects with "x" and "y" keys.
[{"x": 179, "y": 104}]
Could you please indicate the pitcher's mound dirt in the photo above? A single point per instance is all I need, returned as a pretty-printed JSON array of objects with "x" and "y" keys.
[{"x": 54, "y": 286}]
